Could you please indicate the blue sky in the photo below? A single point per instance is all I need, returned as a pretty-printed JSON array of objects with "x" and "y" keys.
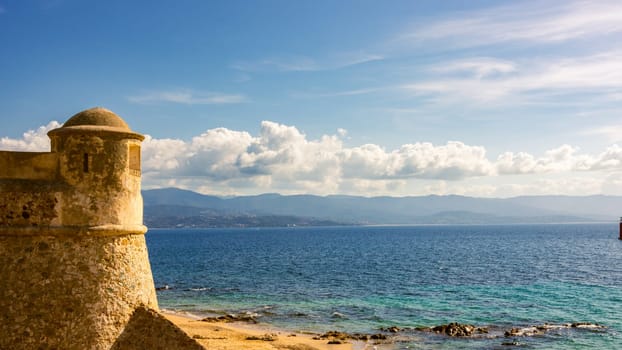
[{"x": 482, "y": 98}]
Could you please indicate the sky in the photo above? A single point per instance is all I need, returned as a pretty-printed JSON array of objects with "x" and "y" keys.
[{"x": 370, "y": 98}]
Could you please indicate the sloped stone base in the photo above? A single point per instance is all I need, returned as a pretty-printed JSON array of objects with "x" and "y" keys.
[{"x": 147, "y": 329}]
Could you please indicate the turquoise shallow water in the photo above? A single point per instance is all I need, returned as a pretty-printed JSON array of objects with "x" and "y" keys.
[{"x": 358, "y": 279}]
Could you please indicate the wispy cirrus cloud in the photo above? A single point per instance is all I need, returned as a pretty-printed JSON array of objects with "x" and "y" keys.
[
  {"x": 612, "y": 133},
  {"x": 186, "y": 96},
  {"x": 479, "y": 67},
  {"x": 490, "y": 79},
  {"x": 300, "y": 63},
  {"x": 536, "y": 22},
  {"x": 281, "y": 64},
  {"x": 354, "y": 92}
]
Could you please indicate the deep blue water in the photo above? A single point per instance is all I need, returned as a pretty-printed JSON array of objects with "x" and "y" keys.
[{"x": 358, "y": 279}]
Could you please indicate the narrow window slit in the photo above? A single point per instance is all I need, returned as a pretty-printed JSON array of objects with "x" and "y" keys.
[
  {"x": 134, "y": 156},
  {"x": 86, "y": 162}
]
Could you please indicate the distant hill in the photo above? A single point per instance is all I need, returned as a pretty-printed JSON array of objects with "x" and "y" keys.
[{"x": 175, "y": 207}]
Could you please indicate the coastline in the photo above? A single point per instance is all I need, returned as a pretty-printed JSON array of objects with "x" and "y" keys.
[
  {"x": 408, "y": 279},
  {"x": 223, "y": 335},
  {"x": 236, "y": 335}
]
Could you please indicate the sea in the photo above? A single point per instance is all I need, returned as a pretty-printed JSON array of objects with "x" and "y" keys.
[{"x": 363, "y": 279}]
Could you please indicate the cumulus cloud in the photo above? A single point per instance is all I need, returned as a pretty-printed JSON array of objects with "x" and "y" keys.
[
  {"x": 610, "y": 159},
  {"x": 281, "y": 158},
  {"x": 215, "y": 153},
  {"x": 31, "y": 141},
  {"x": 561, "y": 159},
  {"x": 283, "y": 153},
  {"x": 558, "y": 159},
  {"x": 452, "y": 161},
  {"x": 162, "y": 154}
]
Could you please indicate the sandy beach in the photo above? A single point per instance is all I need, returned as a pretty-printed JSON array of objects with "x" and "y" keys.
[{"x": 235, "y": 336}]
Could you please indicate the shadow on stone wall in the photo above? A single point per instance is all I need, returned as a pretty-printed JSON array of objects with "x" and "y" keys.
[{"x": 147, "y": 329}]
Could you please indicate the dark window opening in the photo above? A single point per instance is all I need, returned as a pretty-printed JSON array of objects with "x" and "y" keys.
[{"x": 86, "y": 162}]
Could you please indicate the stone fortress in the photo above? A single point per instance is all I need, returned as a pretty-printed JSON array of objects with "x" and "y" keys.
[{"x": 74, "y": 269}]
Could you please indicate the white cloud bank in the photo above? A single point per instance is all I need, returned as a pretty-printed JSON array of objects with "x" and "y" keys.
[
  {"x": 282, "y": 159},
  {"x": 31, "y": 141}
]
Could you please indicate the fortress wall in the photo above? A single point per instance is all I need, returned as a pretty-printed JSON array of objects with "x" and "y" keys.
[
  {"x": 52, "y": 189},
  {"x": 74, "y": 266},
  {"x": 38, "y": 208},
  {"x": 28, "y": 165},
  {"x": 29, "y": 204},
  {"x": 68, "y": 287},
  {"x": 71, "y": 292}
]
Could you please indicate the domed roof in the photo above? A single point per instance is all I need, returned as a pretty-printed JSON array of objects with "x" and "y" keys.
[
  {"x": 96, "y": 120},
  {"x": 97, "y": 116}
]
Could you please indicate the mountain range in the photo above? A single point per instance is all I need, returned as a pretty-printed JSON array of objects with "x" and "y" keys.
[{"x": 172, "y": 207}]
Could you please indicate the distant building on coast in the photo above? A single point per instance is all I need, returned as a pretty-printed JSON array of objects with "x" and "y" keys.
[{"x": 74, "y": 269}]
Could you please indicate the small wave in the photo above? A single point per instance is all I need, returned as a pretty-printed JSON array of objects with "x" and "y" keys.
[
  {"x": 251, "y": 314},
  {"x": 586, "y": 325},
  {"x": 164, "y": 287},
  {"x": 541, "y": 329},
  {"x": 492, "y": 331},
  {"x": 200, "y": 289},
  {"x": 181, "y": 313},
  {"x": 266, "y": 310}
]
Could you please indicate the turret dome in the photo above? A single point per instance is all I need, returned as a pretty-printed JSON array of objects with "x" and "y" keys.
[
  {"x": 97, "y": 116},
  {"x": 97, "y": 120}
]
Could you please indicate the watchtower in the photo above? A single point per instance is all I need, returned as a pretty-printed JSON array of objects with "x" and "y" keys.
[{"x": 73, "y": 259}]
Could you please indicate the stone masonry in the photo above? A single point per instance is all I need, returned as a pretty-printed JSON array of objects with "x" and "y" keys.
[{"x": 73, "y": 260}]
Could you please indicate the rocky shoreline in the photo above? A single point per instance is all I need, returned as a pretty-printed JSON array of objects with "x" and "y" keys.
[{"x": 392, "y": 334}]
